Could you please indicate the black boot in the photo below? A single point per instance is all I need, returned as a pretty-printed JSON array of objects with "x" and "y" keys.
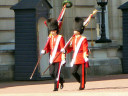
[
  {"x": 81, "y": 88},
  {"x": 55, "y": 89},
  {"x": 55, "y": 86},
  {"x": 62, "y": 84}
]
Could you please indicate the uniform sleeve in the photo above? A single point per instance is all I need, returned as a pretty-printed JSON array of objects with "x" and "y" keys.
[
  {"x": 85, "y": 48},
  {"x": 62, "y": 43},
  {"x": 47, "y": 48},
  {"x": 70, "y": 47}
]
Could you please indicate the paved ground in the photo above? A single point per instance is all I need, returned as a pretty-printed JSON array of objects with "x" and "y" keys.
[{"x": 112, "y": 85}]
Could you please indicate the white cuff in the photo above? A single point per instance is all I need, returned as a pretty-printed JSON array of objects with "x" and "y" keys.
[
  {"x": 62, "y": 50},
  {"x": 86, "y": 59},
  {"x": 63, "y": 62},
  {"x": 42, "y": 52}
]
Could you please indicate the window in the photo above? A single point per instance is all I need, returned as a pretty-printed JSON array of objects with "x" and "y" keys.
[{"x": 99, "y": 21}]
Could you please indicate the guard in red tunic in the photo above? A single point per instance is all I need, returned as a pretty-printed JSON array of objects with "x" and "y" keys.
[
  {"x": 79, "y": 45},
  {"x": 54, "y": 46}
]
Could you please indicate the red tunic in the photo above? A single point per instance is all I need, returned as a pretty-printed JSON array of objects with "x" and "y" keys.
[
  {"x": 51, "y": 46},
  {"x": 83, "y": 48}
]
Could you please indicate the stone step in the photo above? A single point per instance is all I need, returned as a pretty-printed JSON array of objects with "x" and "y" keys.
[
  {"x": 6, "y": 46},
  {"x": 7, "y": 54},
  {"x": 7, "y": 18}
]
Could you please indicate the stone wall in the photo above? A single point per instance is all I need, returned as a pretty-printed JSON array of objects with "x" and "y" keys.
[
  {"x": 105, "y": 59},
  {"x": 7, "y": 39}
]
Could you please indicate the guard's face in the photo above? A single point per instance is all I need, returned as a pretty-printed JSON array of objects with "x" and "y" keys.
[
  {"x": 54, "y": 32},
  {"x": 76, "y": 33}
]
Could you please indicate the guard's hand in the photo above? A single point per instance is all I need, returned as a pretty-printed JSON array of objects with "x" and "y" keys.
[
  {"x": 62, "y": 50},
  {"x": 63, "y": 62},
  {"x": 86, "y": 59},
  {"x": 43, "y": 52}
]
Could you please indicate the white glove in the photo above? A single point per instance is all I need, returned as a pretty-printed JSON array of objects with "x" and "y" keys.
[
  {"x": 86, "y": 59},
  {"x": 42, "y": 52},
  {"x": 63, "y": 62},
  {"x": 62, "y": 50}
]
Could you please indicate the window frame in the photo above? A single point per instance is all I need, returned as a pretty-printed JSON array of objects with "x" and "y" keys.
[{"x": 99, "y": 20}]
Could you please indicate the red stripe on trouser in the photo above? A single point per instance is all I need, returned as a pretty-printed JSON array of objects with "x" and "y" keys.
[
  {"x": 83, "y": 76},
  {"x": 59, "y": 76}
]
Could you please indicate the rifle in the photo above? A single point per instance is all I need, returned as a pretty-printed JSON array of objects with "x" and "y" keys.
[{"x": 39, "y": 59}]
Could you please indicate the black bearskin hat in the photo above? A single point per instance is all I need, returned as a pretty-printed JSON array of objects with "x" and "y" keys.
[
  {"x": 79, "y": 24},
  {"x": 52, "y": 24}
]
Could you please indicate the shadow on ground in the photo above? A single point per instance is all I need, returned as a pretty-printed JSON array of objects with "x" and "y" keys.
[{"x": 4, "y": 84}]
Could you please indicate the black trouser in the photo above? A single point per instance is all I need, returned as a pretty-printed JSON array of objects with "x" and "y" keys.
[
  {"x": 54, "y": 73},
  {"x": 80, "y": 77}
]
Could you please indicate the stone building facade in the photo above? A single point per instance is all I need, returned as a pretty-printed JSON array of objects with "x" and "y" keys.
[
  {"x": 105, "y": 58},
  {"x": 7, "y": 39}
]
